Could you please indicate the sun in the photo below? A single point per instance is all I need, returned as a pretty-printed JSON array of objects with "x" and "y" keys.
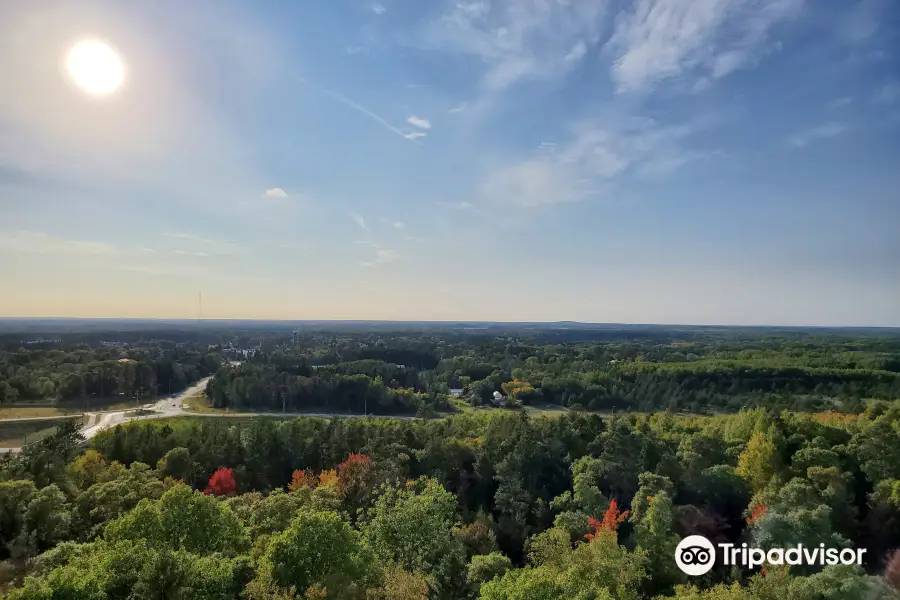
[{"x": 95, "y": 67}]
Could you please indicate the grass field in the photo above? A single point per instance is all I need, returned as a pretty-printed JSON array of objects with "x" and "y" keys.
[{"x": 13, "y": 435}]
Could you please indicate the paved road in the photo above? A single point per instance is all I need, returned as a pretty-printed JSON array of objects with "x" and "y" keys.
[
  {"x": 172, "y": 407},
  {"x": 167, "y": 407}
]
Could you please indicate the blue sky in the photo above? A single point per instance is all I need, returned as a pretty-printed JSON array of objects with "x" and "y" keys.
[{"x": 712, "y": 161}]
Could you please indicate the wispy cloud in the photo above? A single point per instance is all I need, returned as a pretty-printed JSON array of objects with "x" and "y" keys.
[
  {"x": 377, "y": 254},
  {"x": 458, "y": 108},
  {"x": 457, "y": 205},
  {"x": 360, "y": 221},
  {"x": 359, "y": 108},
  {"x": 419, "y": 122},
  {"x": 275, "y": 193},
  {"x": 889, "y": 93},
  {"x": 399, "y": 224},
  {"x": 821, "y": 132},
  {"x": 192, "y": 244},
  {"x": 414, "y": 135},
  {"x": 518, "y": 40},
  {"x": 665, "y": 39},
  {"x": 860, "y": 24},
  {"x": 841, "y": 102},
  {"x": 382, "y": 256},
  {"x": 577, "y": 52},
  {"x": 594, "y": 156},
  {"x": 180, "y": 235},
  {"x": 378, "y": 9},
  {"x": 44, "y": 243}
]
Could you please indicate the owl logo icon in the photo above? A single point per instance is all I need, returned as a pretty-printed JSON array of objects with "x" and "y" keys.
[{"x": 695, "y": 555}]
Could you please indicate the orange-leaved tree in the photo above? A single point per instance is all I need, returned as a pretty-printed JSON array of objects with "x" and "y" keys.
[
  {"x": 610, "y": 523},
  {"x": 327, "y": 478},
  {"x": 301, "y": 479},
  {"x": 758, "y": 511}
]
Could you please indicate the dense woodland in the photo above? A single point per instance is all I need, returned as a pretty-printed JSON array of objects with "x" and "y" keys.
[
  {"x": 64, "y": 372},
  {"x": 694, "y": 372},
  {"x": 493, "y": 504}
]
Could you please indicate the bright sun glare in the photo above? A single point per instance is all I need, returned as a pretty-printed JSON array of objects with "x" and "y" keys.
[{"x": 95, "y": 67}]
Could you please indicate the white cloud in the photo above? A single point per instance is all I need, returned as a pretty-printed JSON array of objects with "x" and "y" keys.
[
  {"x": 821, "y": 132},
  {"x": 458, "y": 108},
  {"x": 399, "y": 224},
  {"x": 378, "y": 9},
  {"x": 44, "y": 243},
  {"x": 664, "y": 39},
  {"x": 359, "y": 220},
  {"x": 275, "y": 193},
  {"x": 419, "y": 122},
  {"x": 414, "y": 135},
  {"x": 594, "y": 156}
]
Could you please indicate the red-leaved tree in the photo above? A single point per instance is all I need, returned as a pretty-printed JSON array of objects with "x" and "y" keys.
[
  {"x": 222, "y": 483},
  {"x": 356, "y": 479}
]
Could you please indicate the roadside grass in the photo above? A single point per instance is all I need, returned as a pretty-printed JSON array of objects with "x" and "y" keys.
[
  {"x": 14, "y": 435},
  {"x": 26, "y": 412},
  {"x": 200, "y": 403},
  {"x": 23, "y": 410}
]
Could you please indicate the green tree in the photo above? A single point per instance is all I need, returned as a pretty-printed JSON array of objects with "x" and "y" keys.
[
  {"x": 178, "y": 464},
  {"x": 413, "y": 527},
  {"x": 758, "y": 463},
  {"x": 485, "y": 567},
  {"x": 654, "y": 534},
  {"x": 182, "y": 519},
  {"x": 318, "y": 548}
]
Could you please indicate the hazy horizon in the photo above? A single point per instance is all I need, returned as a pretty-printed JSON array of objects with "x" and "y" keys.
[{"x": 647, "y": 161}]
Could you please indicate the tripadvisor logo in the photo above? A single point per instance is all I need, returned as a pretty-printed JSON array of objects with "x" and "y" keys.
[{"x": 696, "y": 555}]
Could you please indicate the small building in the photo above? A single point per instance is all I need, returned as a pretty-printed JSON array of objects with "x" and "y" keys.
[
  {"x": 499, "y": 399},
  {"x": 456, "y": 392}
]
